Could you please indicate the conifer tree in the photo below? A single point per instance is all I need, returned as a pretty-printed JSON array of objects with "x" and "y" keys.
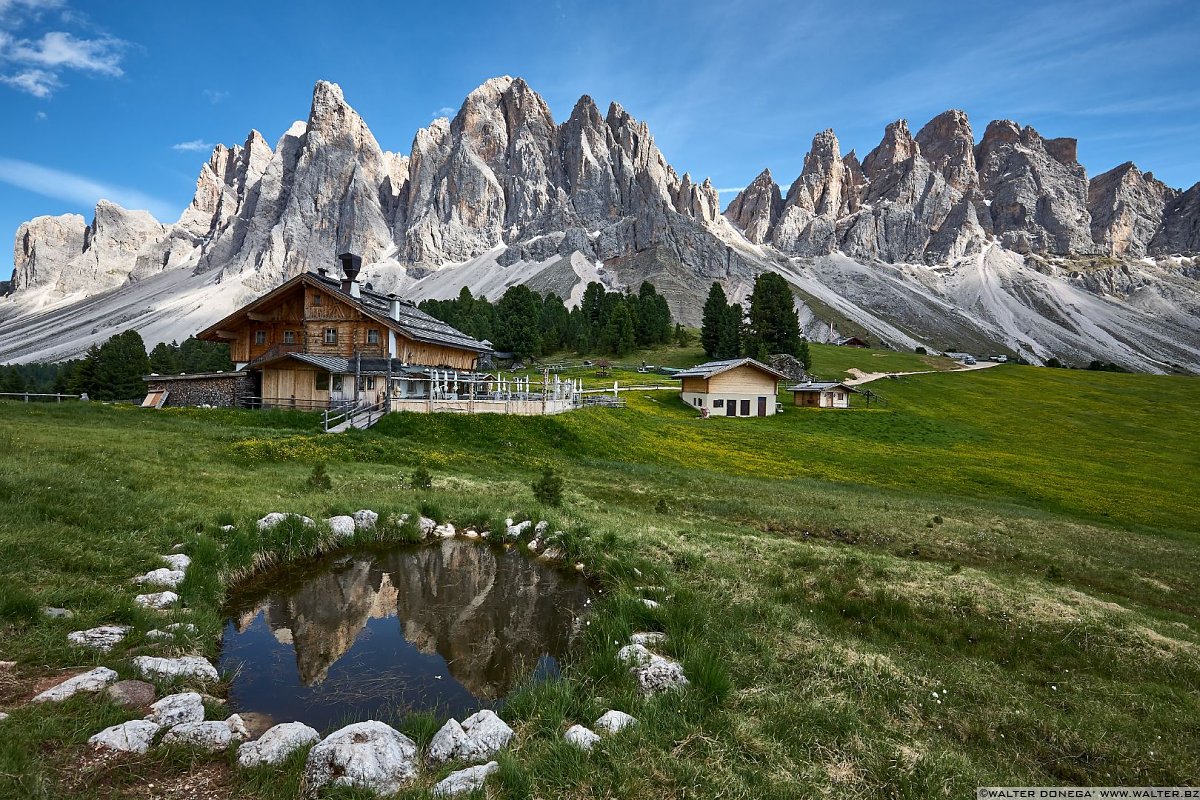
[
  {"x": 619, "y": 336},
  {"x": 773, "y": 319},
  {"x": 517, "y": 322},
  {"x": 716, "y": 309}
]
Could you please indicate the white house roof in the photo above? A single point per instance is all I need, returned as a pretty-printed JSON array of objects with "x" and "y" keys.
[{"x": 711, "y": 368}]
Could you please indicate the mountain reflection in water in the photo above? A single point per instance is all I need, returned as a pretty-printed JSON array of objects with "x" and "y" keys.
[{"x": 451, "y": 627}]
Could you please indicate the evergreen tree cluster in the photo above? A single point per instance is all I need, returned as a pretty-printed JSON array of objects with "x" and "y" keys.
[
  {"x": 527, "y": 325},
  {"x": 114, "y": 370},
  {"x": 770, "y": 327}
]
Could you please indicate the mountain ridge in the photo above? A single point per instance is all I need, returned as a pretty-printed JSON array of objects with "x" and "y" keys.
[{"x": 502, "y": 194}]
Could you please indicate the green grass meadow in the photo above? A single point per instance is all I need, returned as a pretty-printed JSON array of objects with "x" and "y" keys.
[{"x": 993, "y": 579}]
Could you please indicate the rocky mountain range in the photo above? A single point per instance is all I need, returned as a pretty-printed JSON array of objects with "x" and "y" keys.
[{"x": 935, "y": 239}]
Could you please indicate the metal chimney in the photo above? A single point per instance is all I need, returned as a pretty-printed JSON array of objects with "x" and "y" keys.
[
  {"x": 394, "y": 307},
  {"x": 351, "y": 264}
]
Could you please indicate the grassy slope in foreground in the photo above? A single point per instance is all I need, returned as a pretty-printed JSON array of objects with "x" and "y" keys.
[{"x": 817, "y": 619}]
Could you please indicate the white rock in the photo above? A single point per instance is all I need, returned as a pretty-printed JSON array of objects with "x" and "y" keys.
[
  {"x": 480, "y": 736},
  {"x": 650, "y": 604},
  {"x": 470, "y": 533},
  {"x": 535, "y": 545},
  {"x": 445, "y": 531},
  {"x": 237, "y": 728},
  {"x": 183, "y": 628},
  {"x": 653, "y": 673},
  {"x": 103, "y": 638},
  {"x": 274, "y": 746},
  {"x": 613, "y": 722},
  {"x": 177, "y": 709},
  {"x": 552, "y": 554},
  {"x": 156, "y": 600},
  {"x": 157, "y": 636},
  {"x": 274, "y": 518},
  {"x": 648, "y": 639},
  {"x": 170, "y": 578},
  {"x": 57, "y": 613},
  {"x": 371, "y": 755},
  {"x": 581, "y": 737},
  {"x": 515, "y": 531},
  {"x": 211, "y": 736},
  {"x": 134, "y": 736},
  {"x": 3, "y": 716},
  {"x": 342, "y": 526},
  {"x": 179, "y": 561},
  {"x": 90, "y": 681},
  {"x": 465, "y": 780},
  {"x": 182, "y": 667},
  {"x": 425, "y": 525},
  {"x": 541, "y": 528},
  {"x": 365, "y": 519},
  {"x": 227, "y": 528}
]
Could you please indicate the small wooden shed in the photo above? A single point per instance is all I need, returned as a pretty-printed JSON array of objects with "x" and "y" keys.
[
  {"x": 813, "y": 394},
  {"x": 738, "y": 387}
]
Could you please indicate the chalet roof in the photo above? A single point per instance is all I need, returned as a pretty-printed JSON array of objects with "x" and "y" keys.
[
  {"x": 413, "y": 322},
  {"x": 820, "y": 386},
  {"x": 339, "y": 365},
  {"x": 711, "y": 368}
]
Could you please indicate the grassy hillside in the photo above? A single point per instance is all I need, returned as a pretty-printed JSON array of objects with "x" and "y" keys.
[{"x": 1021, "y": 542}]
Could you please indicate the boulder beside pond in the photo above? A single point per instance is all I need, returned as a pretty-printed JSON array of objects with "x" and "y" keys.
[
  {"x": 274, "y": 746},
  {"x": 91, "y": 681},
  {"x": 369, "y": 755}
]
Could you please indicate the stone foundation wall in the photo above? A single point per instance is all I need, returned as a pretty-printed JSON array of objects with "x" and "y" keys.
[{"x": 223, "y": 391}]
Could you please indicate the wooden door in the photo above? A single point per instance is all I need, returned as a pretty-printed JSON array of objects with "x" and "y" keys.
[
  {"x": 745, "y": 408},
  {"x": 731, "y": 408},
  {"x": 762, "y": 406}
]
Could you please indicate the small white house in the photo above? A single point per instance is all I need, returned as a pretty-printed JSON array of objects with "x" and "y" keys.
[
  {"x": 738, "y": 387},
  {"x": 822, "y": 395}
]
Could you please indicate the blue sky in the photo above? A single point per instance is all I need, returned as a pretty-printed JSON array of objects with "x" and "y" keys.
[{"x": 124, "y": 99}]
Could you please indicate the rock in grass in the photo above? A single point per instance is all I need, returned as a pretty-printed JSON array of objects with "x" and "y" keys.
[
  {"x": 57, "y": 613},
  {"x": 178, "y": 561},
  {"x": 7, "y": 666},
  {"x": 365, "y": 519},
  {"x": 480, "y": 736},
  {"x": 648, "y": 639},
  {"x": 650, "y": 604},
  {"x": 370, "y": 755},
  {"x": 131, "y": 694},
  {"x": 274, "y": 746},
  {"x": 90, "y": 681},
  {"x": 179, "y": 628},
  {"x": 342, "y": 527},
  {"x": 465, "y": 780},
  {"x": 134, "y": 736},
  {"x": 156, "y": 600},
  {"x": 426, "y": 525},
  {"x": 177, "y": 709},
  {"x": 445, "y": 531},
  {"x": 515, "y": 531},
  {"x": 171, "y": 578},
  {"x": 211, "y": 736},
  {"x": 3, "y": 716},
  {"x": 581, "y": 737},
  {"x": 614, "y": 722},
  {"x": 275, "y": 518},
  {"x": 103, "y": 638},
  {"x": 654, "y": 674},
  {"x": 237, "y": 728},
  {"x": 169, "y": 668}
]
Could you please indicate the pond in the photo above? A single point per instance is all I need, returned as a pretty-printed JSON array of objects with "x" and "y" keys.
[{"x": 450, "y": 628}]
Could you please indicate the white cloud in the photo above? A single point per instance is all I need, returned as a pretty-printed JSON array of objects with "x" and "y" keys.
[
  {"x": 41, "y": 115},
  {"x": 731, "y": 190},
  {"x": 444, "y": 111},
  {"x": 58, "y": 49},
  {"x": 79, "y": 189},
  {"x": 36, "y": 65},
  {"x": 194, "y": 146},
  {"x": 37, "y": 82},
  {"x": 215, "y": 95}
]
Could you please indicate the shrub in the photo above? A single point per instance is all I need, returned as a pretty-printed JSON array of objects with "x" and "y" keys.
[
  {"x": 319, "y": 479},
  {"x": 421, "y": 479},
  {"x": 548, "y": 489},
  {"x": 921, "y": 351},
  {"x": 661, "y": 506}
]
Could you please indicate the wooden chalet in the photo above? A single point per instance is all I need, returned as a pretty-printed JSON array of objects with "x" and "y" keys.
[
  {"x": 828, "y": 394},
  {"x": 322, "y": 342},
  {"x": 739, "y": 387}
]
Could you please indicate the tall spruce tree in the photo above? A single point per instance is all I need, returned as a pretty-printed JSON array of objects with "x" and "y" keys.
[
  {"x": 773, "y": 320},
  {"x": 729, "y": 333},
  {"x": 716, "y": 309},
  {"x": 517, "y": 322},
  {"x": 619, "y": 335}
]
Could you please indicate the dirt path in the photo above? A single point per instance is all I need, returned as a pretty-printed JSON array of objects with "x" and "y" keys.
[{"x": 861, "y": 377}]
